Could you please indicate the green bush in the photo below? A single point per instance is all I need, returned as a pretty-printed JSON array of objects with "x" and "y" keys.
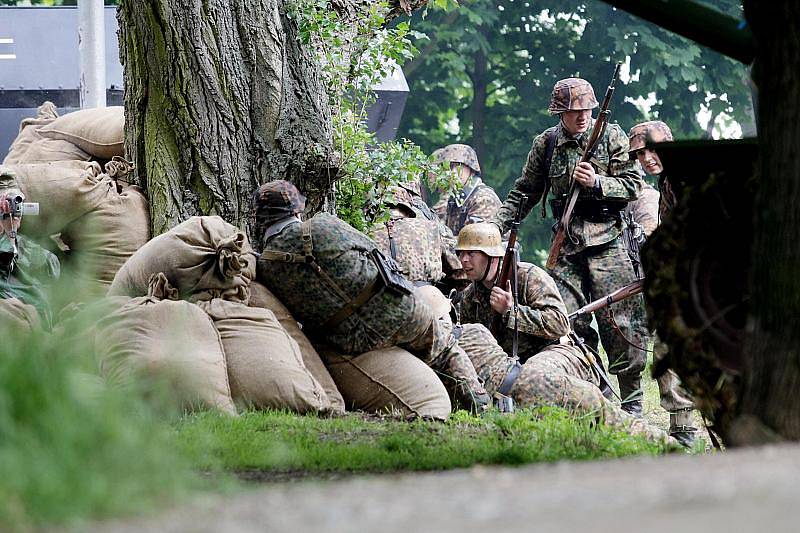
[{"x": 71, "y": 448}]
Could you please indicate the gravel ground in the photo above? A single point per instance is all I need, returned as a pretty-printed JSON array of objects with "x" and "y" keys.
[{"x": 744, "y": 490}]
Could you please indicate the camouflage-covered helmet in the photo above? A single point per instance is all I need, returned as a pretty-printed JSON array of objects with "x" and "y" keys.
[
  {"x": 400, "y": 196},
  {"x": 653, "y": 131},
  {"x": 458, "y": 153},
  {"x": 572, "y": 94},
  {"x": 483, "y": 237},
  {"x": 275, "y": 200}
]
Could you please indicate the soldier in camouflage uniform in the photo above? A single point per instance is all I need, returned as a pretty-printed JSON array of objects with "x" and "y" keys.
[
  {"x": 648, "y": 212},
  {"x": 415, "y": 238},
  {"x": 476, "y": 201},
  {"x": 558, "y": 376},
  {"x": 594, "y": 262},
  {"x": 554, "y": 372},
  {"x": 541, "y": 318},
  {"x": 25, "y": 267},
  {"x": 329, "y": 276}
]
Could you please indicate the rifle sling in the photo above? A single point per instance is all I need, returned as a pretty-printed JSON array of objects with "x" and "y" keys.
[{"x": 511, "y": 378}]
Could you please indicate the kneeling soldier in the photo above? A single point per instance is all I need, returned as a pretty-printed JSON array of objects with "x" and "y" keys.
[{"x": 339, "y": 286}]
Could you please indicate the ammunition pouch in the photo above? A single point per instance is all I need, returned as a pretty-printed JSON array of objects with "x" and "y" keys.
[
  {"x": 589, "y": 209},
  {"x": 391, "y": 274}
]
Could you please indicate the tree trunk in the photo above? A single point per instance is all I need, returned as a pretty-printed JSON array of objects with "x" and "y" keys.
[
  {"x": 221, "y": 96},
  {"x": 771, "y": 387},
  {"x": 479, "y": 94}
]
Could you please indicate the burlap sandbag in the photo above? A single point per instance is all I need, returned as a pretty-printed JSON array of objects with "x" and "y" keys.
[
  {"x": 65, "y": 192},
  {"x": 29, "y": 132},
  {"x": 165, "y": 340},
  {"x": 17, "y": 316},
  {"x": 204, "y": 258},
  {"x": 103, "y": 239},
  {"x": 46, "y": 150},
  {"x": 98, "y": 131},
  {"x": 390, "y": 380},
  {"x": 265, "y": 366},
  {"x": 260, "y": 296}
]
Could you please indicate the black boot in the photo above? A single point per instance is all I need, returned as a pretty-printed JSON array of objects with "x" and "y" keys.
[
  {"x": 630, "y": 390},
  {"x": 681, "y": 428}
]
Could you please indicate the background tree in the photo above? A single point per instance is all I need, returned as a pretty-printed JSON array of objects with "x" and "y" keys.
[{"x": 485, "y": 76}]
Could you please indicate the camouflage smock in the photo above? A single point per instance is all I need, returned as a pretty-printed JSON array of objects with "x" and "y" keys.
[
  {"x": 644, "y": 209},
  {"x": 618, "y": 178},
  {"x": 541, "y": 316},
  {"x": 27, "y": 276},
  {"x": 476, "y": 202},
  {"x": 417, "y": 244}
]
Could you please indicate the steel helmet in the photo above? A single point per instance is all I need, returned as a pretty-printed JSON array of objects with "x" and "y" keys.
[
  {"x": 572, "y": 94},
  {"x": 458, "y": 153},
  {"x": 483, "y": 237},
  {"x": 275, "y": 200},
  {"x": 653, "y": 131}
]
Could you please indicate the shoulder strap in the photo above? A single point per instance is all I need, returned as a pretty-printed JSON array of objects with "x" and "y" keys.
[
  {"x": 390, "y": 232},
  {"x": 287, "y": 257},
  {"x": 550, "y": 147}
]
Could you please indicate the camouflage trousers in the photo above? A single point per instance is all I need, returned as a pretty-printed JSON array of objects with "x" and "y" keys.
[
  {"x": 431, "y": 339},
  {"x": 672, "y": 394},
  {"x": 592, "y": 274},
  {"x": 557, "y": 376}
]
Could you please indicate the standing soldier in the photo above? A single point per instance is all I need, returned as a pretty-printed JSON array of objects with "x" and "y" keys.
[
  {"x": 674, "y": 399},
  {"x": 549, "y": 370},
  {"x": 336, "y": 283},
  {"x": 476, "y": 201},
  {"x": 594, "y": 262},
  {"x": 415, "y": 238}
]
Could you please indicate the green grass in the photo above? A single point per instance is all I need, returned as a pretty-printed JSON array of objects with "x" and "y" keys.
[
  {"x": 278, "y": 442},
  {"x": 70, "y": 447}
]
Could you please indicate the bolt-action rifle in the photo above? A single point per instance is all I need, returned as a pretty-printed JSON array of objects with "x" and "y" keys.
[
  {"x": 562, "y": 226},
  {"x": 507, "y": 268},
  {"x": 620, "y": 294}
]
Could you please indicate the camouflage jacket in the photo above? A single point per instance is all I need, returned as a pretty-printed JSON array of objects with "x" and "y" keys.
[
  {"x": 476, "y": 202},
  {"x": 342, "y": 252},
  {"x": 28, "y": 275},
  {"x": 415, "y": 243},
  {"x": 644, "y": 209},
  {"x": 541, "y": 315},
  {"x": 618, "y": 179}
]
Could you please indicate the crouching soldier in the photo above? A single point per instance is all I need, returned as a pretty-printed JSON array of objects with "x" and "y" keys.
[
  {"x": 414, "y": 237},
  {"x": 346, "y": 293},
  {"x": 26, "y": 269},
  {"x": 549, "y": 370}
]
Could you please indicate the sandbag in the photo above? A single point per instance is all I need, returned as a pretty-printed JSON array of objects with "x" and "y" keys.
[
  {"x": 203, "y": 258},
  {"x": 260, "y": 296},
  {"x": 165, "y": 340},
  {"x": 389, "y": 380},
  {"x": 265, "y": 366},
  {"x": 65, "y": 192},
  {"x": 29, "y": 132},
  {"x": 103, "y": 239},
  {"x": 98, "y": 131},
  {"x": 45, "y": 150},
  {"x": 17, "y": 316}
]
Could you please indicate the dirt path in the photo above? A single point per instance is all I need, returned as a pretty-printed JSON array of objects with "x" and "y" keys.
[{"x": 745, "y": 490}]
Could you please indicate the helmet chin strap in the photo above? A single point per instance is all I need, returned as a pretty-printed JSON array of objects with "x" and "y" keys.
[{"x": 486, "y": 270}]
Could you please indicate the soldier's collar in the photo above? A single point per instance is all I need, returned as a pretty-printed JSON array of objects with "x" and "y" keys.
[
  {"x": 565, "y": 137},
  {"x": 280, "y": 225}
]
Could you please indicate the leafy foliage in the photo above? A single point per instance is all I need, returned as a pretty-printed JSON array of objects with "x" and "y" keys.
[
  {"x": 355, "y": 59},
  {"x": 485, "y": 76}
]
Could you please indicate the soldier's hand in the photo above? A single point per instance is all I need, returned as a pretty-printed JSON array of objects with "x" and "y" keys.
[
  {"x": 501, "y": 300},
  {"x": 584, "y": 174},
  {"x": 5, "y": 208}
]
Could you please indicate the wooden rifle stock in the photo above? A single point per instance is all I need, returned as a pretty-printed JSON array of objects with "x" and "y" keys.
[
  {"x": 627, "y": 291},
  {"x": 599, "y": 128}
]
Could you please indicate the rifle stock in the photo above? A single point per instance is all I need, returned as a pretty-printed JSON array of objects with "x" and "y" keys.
[
  {"x": 627, "y": 291},
  {"x": 599, "y": 128},
  {"x": 496, "y": 325}
]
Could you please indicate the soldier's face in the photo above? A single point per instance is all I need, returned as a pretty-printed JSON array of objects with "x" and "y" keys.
[
  {"x": 576, "y": 122},
  {"x": 650, "y": 161},
  {"x": 475, "y": 264}
]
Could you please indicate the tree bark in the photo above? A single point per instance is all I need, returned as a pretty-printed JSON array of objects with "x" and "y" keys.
[
  {"x": 221, "y": 96},
  {"x": 771, "y": 387}
]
